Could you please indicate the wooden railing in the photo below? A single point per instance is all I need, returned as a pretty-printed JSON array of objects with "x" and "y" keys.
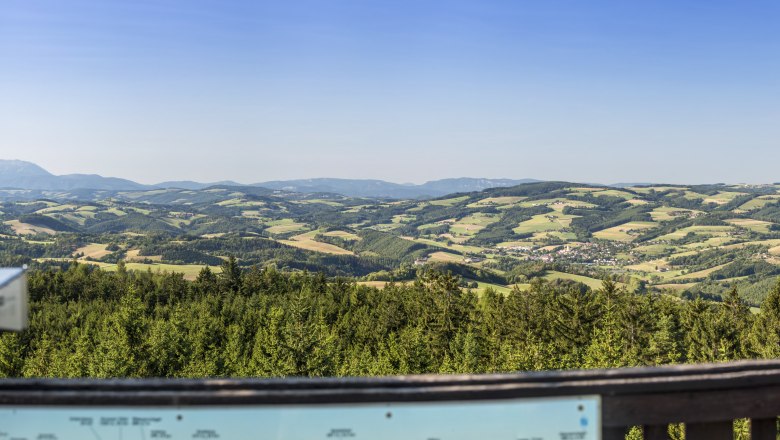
[{"x": 706, "y": 397}]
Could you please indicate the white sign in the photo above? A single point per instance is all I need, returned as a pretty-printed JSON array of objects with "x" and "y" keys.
[
  {"x": 13, "y": 299},
  {"x": 575, "y": 418}
]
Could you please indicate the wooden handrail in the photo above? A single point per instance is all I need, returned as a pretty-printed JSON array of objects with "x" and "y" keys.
[{"x": 705, "y": 396}]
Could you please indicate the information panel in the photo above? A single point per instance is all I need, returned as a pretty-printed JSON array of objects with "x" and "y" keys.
[{"x": 575, "y": 418}]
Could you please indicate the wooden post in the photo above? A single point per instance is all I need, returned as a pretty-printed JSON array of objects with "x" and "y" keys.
[
  {"x": 763, "y": 429},
  {"x": 710, "y": 431},
  {"x": 613, "y": 433},
  {"x": 656, "y": 432}
]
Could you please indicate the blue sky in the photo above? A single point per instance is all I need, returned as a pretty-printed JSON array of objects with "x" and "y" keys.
[{"x": 599, "y": 91}]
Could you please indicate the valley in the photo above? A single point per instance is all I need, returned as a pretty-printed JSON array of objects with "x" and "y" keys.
[{"x": 681, "y": 240}]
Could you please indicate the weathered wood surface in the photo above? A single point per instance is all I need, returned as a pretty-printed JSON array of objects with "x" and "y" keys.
[
  {"x": 710, "y": 431},
  {"x": 630, "y": 396},
  {"x": 763, "y": 429},
  {"x": 656, "y": 432}
]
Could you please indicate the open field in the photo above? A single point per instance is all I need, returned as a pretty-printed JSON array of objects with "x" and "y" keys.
[
  {"x": 600, "y": 192},
  {"x": 544, "y": 222},
  {"x": 94, "y": 250},
  {"x": 759, "y": 202},
  {"x": 759, "y": 226},
  {"x": 625, "y": 232},
  {"x": 676, "y": 287},
  {"x": 448, "y": 202},
  {"x": 590, "y": 282},
  {"x": 321, "y": 202},
  {"x": 473, "y": 223},
  {"x": 656, "y": 189},
  {"x": 698, "y": 230},
  {"x": 702, "y": 273},
  {"x": 284, "y": 226},
  {"x": 27, "y": 229},
  {"x": 446, "y": 257},
  {"x": 344, "y": 235},
  {"x": 190, "y": 271},
  {"x": 652, "y": 250},
  {"x": 496, "y": 201},
  {"x": 306, "y": 241},
  {"x": 722, "y": 197},
  {"x": 665, "y": 213},
  {"x": 557, "y": 203},
  {"x": 134, "y": 255}
]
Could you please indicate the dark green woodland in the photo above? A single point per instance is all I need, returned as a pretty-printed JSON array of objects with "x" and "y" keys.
[{"x": 86, "y": 322}]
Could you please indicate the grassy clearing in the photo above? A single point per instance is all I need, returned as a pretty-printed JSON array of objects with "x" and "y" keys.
[
  {"x": 58, "y": 208},
  {"x": 284, "y": 226},
  {"x": 553, "y": 235},
  {"x": 676, "y": 287},
  {"x": 457, "y": 247},
  {"x": 508, "y": 244},
  {"x": 307, "y": 241},
  {"x": 116, "y": 211},
  {"x": 649, "y": 266},
  {"x": 759, "y": 202},
  {"x": 691, "y": 195},
  {"x": 332, "y": 203},
  {"x": 665, "y": 213},
  {"x": 702, "y": 273},
  {"x": 498, "y": 288},
  {"x": 711, "y": 242},
  {"x": 658, "y": 189},
  {"x": 381, "y": 284},
  {"x": 28, "y": 229},
  {"x": 496, "y": 201},
  {"x": 625, "y": 232},
  {"x": 449, "y": 202},
  {"x": 190, "y": 271},
  {"x": 139, "y": 210},
  {"x": 385, "y": 227},
  {"x": 557, "y": 204},
  {"x": 93, "y": 250},
  {"x": 403, "y": 218},
  {"x": 654, "y": 249},
  {"x": 544, "y": 223},
  {"x": 474, "y": 223},
  {"x": 722, "y": 197},
  {"x": 698, "y": 230},
  {"x": 599, "y": 192},
  {"x": 754, "y": 225},
  {"x": 344, "y": 235},
  {"x": 446, "y": 257},
  {"x": 134, "y": 255},
  {"x": 593, "y": 283},
  {"x": 771, "y": 243}
]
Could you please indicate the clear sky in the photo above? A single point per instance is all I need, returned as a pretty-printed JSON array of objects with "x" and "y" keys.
[{"x": 401, "y": 90}]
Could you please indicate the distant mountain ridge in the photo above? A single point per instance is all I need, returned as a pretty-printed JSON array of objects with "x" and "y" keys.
[
  {"x": 17, "y": 174},
  {"x": 380, "y": 188},
  {"x": 26, "y": 175}
]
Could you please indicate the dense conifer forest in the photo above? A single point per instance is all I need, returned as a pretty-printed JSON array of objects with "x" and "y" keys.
[{"x": 266, "y": 323}]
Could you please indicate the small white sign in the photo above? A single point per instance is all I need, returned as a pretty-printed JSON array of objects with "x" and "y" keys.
[{"x": 13, "y": 299}]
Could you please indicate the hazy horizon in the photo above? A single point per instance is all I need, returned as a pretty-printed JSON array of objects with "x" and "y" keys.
[{"x": 400, "y": 91}]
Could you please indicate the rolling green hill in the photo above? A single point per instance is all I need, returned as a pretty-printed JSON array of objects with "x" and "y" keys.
[{"x": 685, "y": 240}]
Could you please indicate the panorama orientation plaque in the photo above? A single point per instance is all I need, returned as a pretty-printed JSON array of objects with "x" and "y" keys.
[{"x": 570, "y": 418}]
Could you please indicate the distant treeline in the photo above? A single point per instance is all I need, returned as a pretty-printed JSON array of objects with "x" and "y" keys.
[{"x": 267, "y": 323}]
